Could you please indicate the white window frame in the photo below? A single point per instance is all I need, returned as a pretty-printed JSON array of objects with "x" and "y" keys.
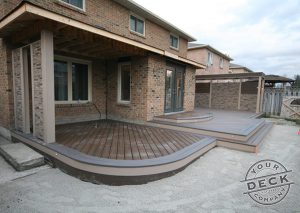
[
  {"x": 137, "y": 17},
  {"x": 210, "y": 58},
  {"x": 176, "y": 36},
  {"x": 119, "y": 83},
  {"x": 69, "y": 62},
  {"x": 71, "y": 5},
  {"x": 221, "y": 63}
]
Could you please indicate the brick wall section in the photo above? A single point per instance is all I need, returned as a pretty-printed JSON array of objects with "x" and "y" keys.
[
  {"x": 6, "y": 87},
  {"x": 225, "y": 95},
  {"x": 201, "y": 56},
  {"x": 37, "y": 89},
  {"x": 202, "y": 100},
  {"x": 248, "y": 102},
  {"x": 112, "y": 17},
  {"x": 18, "y": 85},
  {"x": 156, "y": 86},
  {"x": 69, "y": 113},
  {"x": 189, "y": 89},
  {"x": 137, "y": 109}
]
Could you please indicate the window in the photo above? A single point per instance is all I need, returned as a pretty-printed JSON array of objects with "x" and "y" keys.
[
  {"x": 137, "y": 25},
  {"x": 124, "y": 78},
  {"x": 174, "y": 41},
  {"x": 72, "y": 80},
  {"x": 76, "y": 3},
  {"x": 221, "y": 63},
  {"x": 210, "y": 59}
]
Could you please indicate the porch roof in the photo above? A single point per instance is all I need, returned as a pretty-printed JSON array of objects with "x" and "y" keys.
[
  {"x": 231, "y": 76},
  {"x": 26, "y": 15}
]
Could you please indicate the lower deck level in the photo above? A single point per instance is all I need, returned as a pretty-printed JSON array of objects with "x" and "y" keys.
[{"x": 115, "y": 152}]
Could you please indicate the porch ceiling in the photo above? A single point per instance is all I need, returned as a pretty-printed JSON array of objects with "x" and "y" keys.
[{"x": 27, "y": 21}]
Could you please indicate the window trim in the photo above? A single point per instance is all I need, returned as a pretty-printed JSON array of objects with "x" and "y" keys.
[
  {"x": 137, "y": 17},
  {"x": 75, "y": 7},
  {"x": 69, "y": 61},
  {"x": 119, "y": 101},
  {"x": 176, "y": 36},
  {"x": 210, "y": 63}
]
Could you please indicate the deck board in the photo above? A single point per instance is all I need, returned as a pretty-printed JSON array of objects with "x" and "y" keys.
[{"x": 123, "y": 141}]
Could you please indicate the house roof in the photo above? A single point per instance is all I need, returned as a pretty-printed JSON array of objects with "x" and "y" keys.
[
  {"x": 277, "y": 79},
  {"x": 237, "y": 66},
  {"x": 193, "y": 46},
  {"x": 140, "y": 10}
]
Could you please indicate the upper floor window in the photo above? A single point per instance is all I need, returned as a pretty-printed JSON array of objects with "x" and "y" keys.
[
  {"x": 137, "y": 25},
  {"x": 76, "y": 3},
  {"x": 210, "y": 59},
  {"x": 221, "y": 63},
  {"x": 174, "y": 41}
]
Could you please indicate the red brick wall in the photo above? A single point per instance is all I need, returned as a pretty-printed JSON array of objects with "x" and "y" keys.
[
  {"x": 201, "y": 56},
  {"x": 66, "y": 113},
  {"x": 6, "y": 87},
  {"x": 112, "y": 17}
]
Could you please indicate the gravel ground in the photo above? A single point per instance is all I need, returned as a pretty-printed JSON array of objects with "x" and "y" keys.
[{"x": 211, "y": 184}]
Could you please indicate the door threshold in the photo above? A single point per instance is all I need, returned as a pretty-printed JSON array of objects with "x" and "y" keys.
[{"x": 172, "y": 113}]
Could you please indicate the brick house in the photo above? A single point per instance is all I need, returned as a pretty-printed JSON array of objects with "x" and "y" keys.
[
  {"x": 236, "y": 68},
  {"x": 216, "y": 62},
  {"x": 69, "y": 61}
]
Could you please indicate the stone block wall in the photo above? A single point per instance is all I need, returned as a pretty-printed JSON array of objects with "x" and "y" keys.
[
  {"x": 202, "y": 100},
  {"x": 18, "y": 90},
  {"x": 225, "y": 96},
  {"x": 37, "y": 90},
  {"x": 248, "y": 102},
  {"x": 189, "y": 89}
]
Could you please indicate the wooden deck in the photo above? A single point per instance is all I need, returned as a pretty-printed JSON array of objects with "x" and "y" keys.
[{"x": 123, "y": 141}]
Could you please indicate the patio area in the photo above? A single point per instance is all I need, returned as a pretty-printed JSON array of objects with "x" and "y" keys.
[{"x": 123, "y": 141}]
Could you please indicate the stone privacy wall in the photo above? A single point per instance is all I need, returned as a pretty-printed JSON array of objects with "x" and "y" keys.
[
  {"x": 18, "y": 90},
  {"x": 189, "y": 89},
  {"x": 71, "y": 113},
  {"x": 110, "y": 16},
  {"x": 37, "y": 90},
  {"x": 202, "y": 100},
  {"x": 248, "y": 102},
  {"x": 6, "y": 90},
  {"x": 225, "y": 96}
]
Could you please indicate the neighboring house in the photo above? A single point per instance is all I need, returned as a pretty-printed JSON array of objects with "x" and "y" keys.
[
  {"x": 63, "y": 61},
  {"x": 216, "y": 62},
  {"x": 236, "y": 68}
]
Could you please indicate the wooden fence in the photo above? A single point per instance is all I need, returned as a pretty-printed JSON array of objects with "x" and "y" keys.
[{"x": 273, "y": 98}]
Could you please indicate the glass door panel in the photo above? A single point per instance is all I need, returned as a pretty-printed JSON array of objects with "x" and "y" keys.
[{"x": 169, "y": 91}]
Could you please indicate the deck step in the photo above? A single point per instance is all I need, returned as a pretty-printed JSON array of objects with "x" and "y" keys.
[
  {"x": 258, "y": 137},
  {"x": 20, "y": 156}
]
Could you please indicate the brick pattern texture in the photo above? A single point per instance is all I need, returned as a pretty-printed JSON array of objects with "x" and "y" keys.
[
  {"x": 225, "y": 96},
  {"x": 18, "y": 85}
]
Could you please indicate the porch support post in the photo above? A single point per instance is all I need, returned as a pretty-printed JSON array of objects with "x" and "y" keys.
[
  {"x": 262, "y": 94},
  {"x": 240, "y": 93},
  {"x": 210, "y": 93},
  {"x": 258, "y": 95},
  {"x": 48, "y": 85}
]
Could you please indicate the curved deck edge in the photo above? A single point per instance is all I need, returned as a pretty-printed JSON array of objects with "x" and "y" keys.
[{"x": 109, "y": 172}]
